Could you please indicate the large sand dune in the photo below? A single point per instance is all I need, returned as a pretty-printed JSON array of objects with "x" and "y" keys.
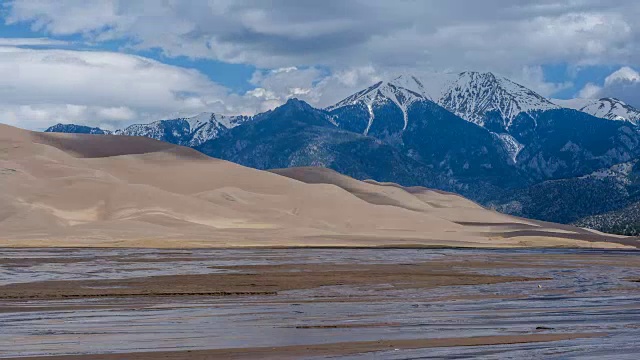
[{"x": 117, "y": 191}]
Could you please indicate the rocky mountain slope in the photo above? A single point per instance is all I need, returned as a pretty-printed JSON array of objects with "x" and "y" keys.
[
  {"x": 625, "y": 221},
  {"x": 297, "y": 134},
  {"x": 77, "y": 129},
  {"x": 539, "y": 138},
  {"x": 571, "y": 199}
]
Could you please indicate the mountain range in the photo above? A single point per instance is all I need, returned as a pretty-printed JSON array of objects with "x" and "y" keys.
[{"x": 477, "y": 134}]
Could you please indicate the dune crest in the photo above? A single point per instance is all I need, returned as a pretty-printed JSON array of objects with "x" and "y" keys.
[{"x": 72, "y": 190}]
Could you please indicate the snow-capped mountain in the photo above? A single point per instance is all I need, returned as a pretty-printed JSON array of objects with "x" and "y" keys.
[
  {"x": 191, "y": 131},
  {"x": 480, "y": 98},
  {"x": 402, "y": 91},
  {"x": 436, "y": 148},
  {"x": 483, "y": 99},
  {"x": 606, "y": 108},
  {"x": 477, "y": 96}
]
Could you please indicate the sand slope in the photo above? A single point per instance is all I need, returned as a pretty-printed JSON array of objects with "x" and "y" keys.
[{"x": 102, "y": 190}]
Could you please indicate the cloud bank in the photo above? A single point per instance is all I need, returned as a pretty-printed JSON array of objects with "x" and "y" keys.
[{"x": 317, "y": 51}]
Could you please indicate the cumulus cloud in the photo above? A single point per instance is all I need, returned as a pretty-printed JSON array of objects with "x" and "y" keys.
[
  {"x": 589, "y": 91},
  {"x": 623, "y": 84},
  {"x": 312, "y": 84},
  {"x": 31, "y": 42},
  {"x": 533, "y": 78},
  {"x": 623, "y": 76},
  {"x": 498, "y": 35},
  {"x": 320, "y": 52},
  {"x": 41, "y": 86}
]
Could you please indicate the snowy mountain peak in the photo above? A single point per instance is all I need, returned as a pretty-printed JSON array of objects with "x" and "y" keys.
[
  {"x": 612, "y": 109},
  {"x": 605, "y": 108},
  {"x": 402, "y": 91},
  {"x": 411, "y": 83},
  {"x": 200, "y": 119},
  {"x": 473, "y": 95},
  {"x": 188, "y": 131}
]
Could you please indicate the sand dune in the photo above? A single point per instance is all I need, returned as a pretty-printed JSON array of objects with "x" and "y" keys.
[{"x": 102, "y": 190}]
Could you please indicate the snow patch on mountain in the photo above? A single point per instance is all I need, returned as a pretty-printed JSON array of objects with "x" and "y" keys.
[
  {"x": 207, "y": 126},
  {"x": 470, "y": 95},
  {"x": 511, "y": 145},
  {"x": 473, "y": 95},
  {"x": 606, "y": 108},
  {"x": 371, "y": 116},
  {"x": 402, "y": 91},
  {"x": 411, "y": 83},
  {"x": 193, "y": 130},
  {"x": 153, "y": 130}
]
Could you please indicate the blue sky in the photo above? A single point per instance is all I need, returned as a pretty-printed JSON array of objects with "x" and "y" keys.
[{"x": 114, "y": 62}]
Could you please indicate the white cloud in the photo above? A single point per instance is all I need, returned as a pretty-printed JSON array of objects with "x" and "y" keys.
[
  {"x": 41, "y": 86},
  {"x": 31, "y": 42},
  {"x": 496, "y": 35},
  {"x": 41, "y": 116},
  {"x": 311, "y": 84},
  {"x": 589, "y": 91},
  {"x": 320, "y": 52},
  {"x": 623, "y": 84},
  {"x": 623, "y": 75},
  {"x": 533, "y": 78}
]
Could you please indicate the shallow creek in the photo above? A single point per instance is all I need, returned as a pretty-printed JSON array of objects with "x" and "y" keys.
[{"x": 589, "y": 291}]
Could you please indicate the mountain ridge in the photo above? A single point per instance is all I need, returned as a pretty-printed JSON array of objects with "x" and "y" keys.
[
  {"x": 394, "y": 131},
  {"x": 606, "y": 108}
]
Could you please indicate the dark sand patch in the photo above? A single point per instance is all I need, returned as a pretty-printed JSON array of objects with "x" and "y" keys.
[
  {"x": 259, "y": 280},
  {"x": 333, "y": 349}
]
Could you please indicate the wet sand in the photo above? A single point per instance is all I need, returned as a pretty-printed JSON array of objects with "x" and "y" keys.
[
  {"x": 260, "y": 280},
  {"x": 337, "y": 349},
  {"x": 298, "y": 303}
]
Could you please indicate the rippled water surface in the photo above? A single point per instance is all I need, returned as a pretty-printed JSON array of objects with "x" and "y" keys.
[{"x": 587, "y": 293}]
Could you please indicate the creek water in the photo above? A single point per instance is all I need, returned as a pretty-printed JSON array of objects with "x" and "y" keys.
[{"x": 588, "y": 291}]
